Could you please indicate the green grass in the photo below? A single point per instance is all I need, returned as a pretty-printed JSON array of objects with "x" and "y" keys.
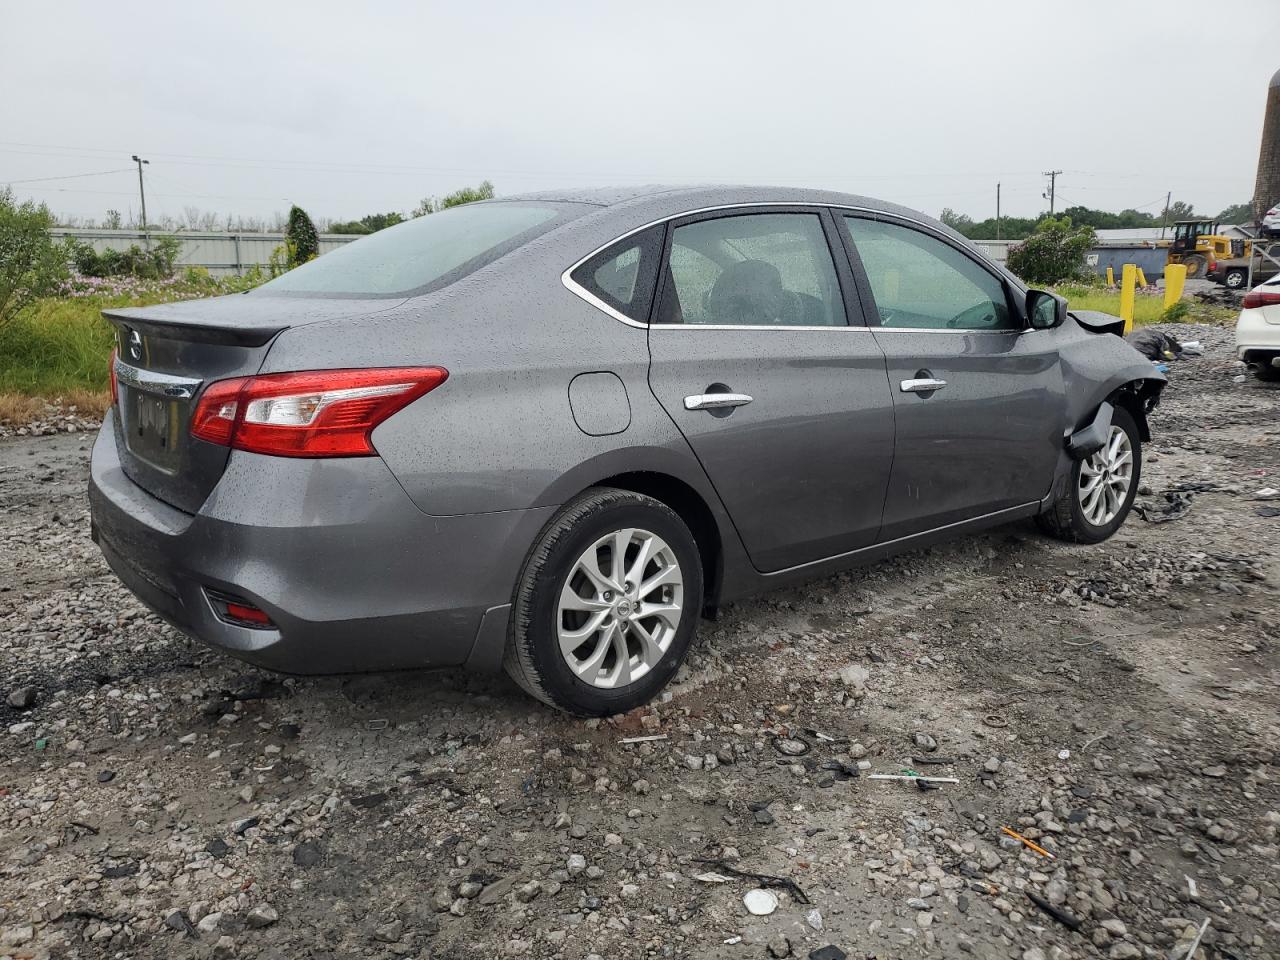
[
  {"x": 56, "y": 346},
  {"x": 1147, "y": 307},
  {"x": 62, "y": 344}
]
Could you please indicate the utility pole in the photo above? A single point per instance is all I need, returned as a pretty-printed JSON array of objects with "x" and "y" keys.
[
  {"x": 1164, "y": 218},
  {"x": 143, "y": 193},
  {"x": 997, "y": 210},
  {"x": 1053, "y": 182}
]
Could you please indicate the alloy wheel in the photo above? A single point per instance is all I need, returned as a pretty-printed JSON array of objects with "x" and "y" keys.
[
  {"x": 620, "y": 608},
  {"x": 1105, "y": 478}
]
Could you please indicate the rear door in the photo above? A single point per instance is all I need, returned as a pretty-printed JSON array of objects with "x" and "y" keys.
[
  {"x": 979, "y": 399},
  {"x": 761, "y": 357}
]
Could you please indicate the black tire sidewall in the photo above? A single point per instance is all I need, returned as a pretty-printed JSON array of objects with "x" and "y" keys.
[
  {"x": 1088, "y": 532},
  {"x": 564, "y": 687}
]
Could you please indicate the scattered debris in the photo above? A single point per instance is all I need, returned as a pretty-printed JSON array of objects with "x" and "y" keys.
[
  {"x": 829, "y": 952},
  {"x": 1029, "y": 843},
  {"x": 649, "y": 739},
  {"x": 1062, "y": 916},
  {"x": 759, "y": 902},
  {"x": 914, "y": 777},
  {"x": 995, "y": 720},
  {"x": 763, "y": 879},
  {"x": 708, "y": 877},
  {"x": 1195, "y": 944},
  {"x": 791, "y": 746}
]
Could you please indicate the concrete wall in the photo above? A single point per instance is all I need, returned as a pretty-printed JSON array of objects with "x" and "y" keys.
[{"x": 217, "y": 252}]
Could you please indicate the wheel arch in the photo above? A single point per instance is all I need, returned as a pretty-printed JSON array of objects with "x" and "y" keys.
[
  {"x": 693, "y": 510},
  {"x": 1139, "y": 397}
]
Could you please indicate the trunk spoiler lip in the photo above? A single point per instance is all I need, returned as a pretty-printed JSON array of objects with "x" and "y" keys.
[
  {"x": 247, "y": 335},
  {"x": 230, "y": 320}
]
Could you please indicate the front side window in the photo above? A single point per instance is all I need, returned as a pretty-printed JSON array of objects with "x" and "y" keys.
[
  {"x": 919, "y": 282},
  {"x": 421, "y": 254},
  {"x": 770, "y": 269}
]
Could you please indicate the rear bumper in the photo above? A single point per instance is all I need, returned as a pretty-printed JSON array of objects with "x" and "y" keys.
[
  {"x": 1255, "y": 335},
  {"x": 354, "y": 577}
]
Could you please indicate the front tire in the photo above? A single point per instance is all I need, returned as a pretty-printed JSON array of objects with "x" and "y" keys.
[
  {"x": 1197, "y": 266},
  {"x": 607, "y": 604},
  {"x": 1235, "y": 279},
  {"x": 1102, "y": 487}
]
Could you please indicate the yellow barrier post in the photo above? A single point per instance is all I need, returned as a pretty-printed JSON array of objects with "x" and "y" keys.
[
  {"x": 1175, "y": 277},
  {"x": 1128, "y": 279},
  {"x": 1111, "y": 277},
  {"x": 1142, "y": 278}
]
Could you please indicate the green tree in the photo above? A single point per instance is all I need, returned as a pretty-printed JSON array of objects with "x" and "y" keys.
[
  {"x": 1054, "y": 253},
  {"x": 370, "y": 223},
  {"x": 1180, "y": 210},
  {"x": 304, "y": 242},
  {"x": 31, "y": 263},
  {"x": 380, "y": 221},
  {"x": 348, "y": 226},
  {"x": 1237, "y": 213},
  {"x": 468, "y": 195}
]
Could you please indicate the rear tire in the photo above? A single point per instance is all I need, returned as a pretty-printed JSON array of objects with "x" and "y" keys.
[
  {"x": 594, "y": 637},
  {"x": 1235, "y": 279},
  {"x": 1102, "y": 487},
  {"x": 1264, "y": 371},
  {"x": 1196, "y": 266}
]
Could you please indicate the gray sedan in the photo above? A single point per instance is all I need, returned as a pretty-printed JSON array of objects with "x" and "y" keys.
[{"x": 547, "y": 433}]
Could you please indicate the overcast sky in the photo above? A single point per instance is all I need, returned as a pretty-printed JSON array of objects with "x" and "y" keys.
[{"x": 349, "y": 108}]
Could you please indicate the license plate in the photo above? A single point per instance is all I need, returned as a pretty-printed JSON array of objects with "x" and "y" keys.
[{"x": 153, "y": 428}]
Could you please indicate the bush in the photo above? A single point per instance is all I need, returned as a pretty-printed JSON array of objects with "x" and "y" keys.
[
  {"x": 153, "y": 264},
  {"x": 301, "y": 237},
  {"x": 456, "y": 199},
  {"x": 31, "y": 263},
  {"x": 1054, "y": 253}
]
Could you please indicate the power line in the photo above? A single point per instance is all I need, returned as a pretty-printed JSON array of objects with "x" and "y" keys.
[{"x": 72, "y": 176}]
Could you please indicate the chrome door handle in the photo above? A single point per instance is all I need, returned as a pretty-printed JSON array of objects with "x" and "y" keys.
[
  {"x": 923, "y": 385},
  {"x": 715, "y": 401}
]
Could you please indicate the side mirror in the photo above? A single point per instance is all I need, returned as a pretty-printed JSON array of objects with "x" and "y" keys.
[{"x": 1045, "y": 310}]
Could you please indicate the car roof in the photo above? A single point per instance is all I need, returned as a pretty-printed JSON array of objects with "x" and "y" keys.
[
  {"x": 699, "y": 195},
  {"x": 661, "y": 201}
]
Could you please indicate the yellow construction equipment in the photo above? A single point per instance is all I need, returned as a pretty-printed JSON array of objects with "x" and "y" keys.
[{"x": 1197, "y": 244}]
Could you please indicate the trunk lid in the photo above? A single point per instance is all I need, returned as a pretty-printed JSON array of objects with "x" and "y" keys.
[{"x": 166, "y": 354}]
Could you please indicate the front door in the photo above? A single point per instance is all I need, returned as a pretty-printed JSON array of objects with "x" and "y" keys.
[
  {"x": 979, "y": 399},
  {"x": 760, "y": 356}
]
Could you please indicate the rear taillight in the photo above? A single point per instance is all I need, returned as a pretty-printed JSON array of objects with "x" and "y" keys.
[
  {"x": 1261, "y": 297},
  {"x": 317, "y": 413},
  {"x": 115, "y": 384}
]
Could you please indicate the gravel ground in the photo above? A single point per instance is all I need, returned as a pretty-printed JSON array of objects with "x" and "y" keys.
[{"x": 1115, "y": 705}]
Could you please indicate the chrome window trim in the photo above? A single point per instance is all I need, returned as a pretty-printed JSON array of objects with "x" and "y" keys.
[
  {"x": 566, "y": 278},
  {"x": 944, "y": 330},
  {"x": 151, "y": 382}
]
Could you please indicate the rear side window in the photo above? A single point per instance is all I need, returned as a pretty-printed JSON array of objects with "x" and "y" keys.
[
  {"x": 623, "y": 276},
  {"x": 423, "y": 254},
  {"x": 771, "y": 269}
]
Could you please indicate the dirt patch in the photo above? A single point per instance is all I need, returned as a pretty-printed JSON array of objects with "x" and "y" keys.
[{"x": 1114, "y": 705}]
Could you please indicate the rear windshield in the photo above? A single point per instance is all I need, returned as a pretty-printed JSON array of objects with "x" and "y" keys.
[{"x": 422, "y": 254}]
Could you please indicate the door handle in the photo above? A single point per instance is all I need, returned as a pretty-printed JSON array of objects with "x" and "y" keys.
[
  {"x": 921, "y": 385},
  {"x": 715, "y": 401}
]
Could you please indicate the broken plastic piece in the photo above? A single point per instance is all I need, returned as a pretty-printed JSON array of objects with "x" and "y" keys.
[{"x": 760, "y": 903}]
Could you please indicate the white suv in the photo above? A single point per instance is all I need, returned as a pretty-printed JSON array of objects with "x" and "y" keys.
[
  {"x": 1271, "y": 222},
  {"x": 1258, "y": 330}
]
